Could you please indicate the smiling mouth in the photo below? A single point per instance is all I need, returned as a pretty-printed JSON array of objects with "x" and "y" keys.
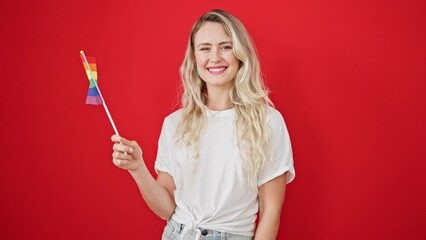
[{"x": 216, "y": 70}]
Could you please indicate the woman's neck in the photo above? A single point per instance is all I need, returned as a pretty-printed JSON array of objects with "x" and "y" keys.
[{"x": 218, "y": 100}]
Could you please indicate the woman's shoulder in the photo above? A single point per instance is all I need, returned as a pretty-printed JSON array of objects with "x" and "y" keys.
[
  {"x": 173, "y": 118},
  {"x": 272, "y": 113},
  {"x": 274, "y": 118}
]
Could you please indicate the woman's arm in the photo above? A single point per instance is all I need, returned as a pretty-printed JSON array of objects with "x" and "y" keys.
[
  {"x": 158, "y": 194},
  {"x": 271, "y": 198}
]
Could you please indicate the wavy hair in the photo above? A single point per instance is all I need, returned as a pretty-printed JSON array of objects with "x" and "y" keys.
[{"x": 248, "y": 95}]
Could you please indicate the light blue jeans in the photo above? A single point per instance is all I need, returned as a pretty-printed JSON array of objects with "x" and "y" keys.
[{"x": 173, "y": 231}]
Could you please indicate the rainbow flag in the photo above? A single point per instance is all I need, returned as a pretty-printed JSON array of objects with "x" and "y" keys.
[{"x": 93, "y": 96}]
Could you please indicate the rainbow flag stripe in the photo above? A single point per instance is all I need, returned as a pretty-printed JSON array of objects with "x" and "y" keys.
[{"x": 93, "y": 96}]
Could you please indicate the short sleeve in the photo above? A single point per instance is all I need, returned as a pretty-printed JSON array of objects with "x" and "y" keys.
[
  {"x": 282, "y": 156},
  {"x": 163, "y": 162}
]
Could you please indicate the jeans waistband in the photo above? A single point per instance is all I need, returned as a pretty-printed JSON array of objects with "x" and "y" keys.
[
  {"x": 204, "y": 231},
  {"x": 209, "y": 232}
]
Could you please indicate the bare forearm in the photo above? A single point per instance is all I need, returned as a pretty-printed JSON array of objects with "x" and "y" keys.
[
  {"x": 271, "y": 198},
  {"x": 128, "y": 155},
  {"x": 155, "y": 195},
  {"x": 268, "y": 227}
]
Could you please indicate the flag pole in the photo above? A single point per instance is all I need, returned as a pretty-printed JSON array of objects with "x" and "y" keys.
[{"x": 100, "y": 94}]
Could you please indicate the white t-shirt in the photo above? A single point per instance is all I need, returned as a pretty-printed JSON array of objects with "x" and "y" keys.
[{"x": 215, "y": 194}]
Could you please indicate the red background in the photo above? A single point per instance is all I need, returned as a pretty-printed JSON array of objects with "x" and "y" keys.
[{"x": 348, "y": 76}]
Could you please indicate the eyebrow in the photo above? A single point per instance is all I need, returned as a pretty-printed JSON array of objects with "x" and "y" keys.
[{"x": 209, "y": 44}]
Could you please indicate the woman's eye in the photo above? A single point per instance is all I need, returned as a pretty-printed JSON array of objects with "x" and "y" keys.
[
  {"x": 204, "y": 49},
  {"x": 227, "y": 47}
]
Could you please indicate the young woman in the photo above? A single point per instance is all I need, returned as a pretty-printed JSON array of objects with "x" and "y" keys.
[{"x": 226, "y": 155}]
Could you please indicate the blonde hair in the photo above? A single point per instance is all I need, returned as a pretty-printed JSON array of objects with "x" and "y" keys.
[{"x": 249, "y": 96}]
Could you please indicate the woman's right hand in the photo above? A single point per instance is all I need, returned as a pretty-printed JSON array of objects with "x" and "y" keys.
[{"x": 127, "y": 154}]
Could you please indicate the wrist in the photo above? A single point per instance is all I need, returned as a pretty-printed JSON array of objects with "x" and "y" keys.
[{"x": 137, "y": 170}]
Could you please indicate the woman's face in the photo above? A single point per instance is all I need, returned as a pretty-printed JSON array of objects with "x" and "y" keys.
[{"x": 216, "y": 62}]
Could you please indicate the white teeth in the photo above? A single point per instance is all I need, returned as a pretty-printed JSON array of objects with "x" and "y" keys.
[{"x": 216, "y": 69}]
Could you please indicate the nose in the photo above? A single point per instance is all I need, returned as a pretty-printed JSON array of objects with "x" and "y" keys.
[{"x": 216, "y": 56}]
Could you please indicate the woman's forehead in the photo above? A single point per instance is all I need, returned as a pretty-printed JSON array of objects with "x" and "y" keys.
[{"x": 212, "y": 33}]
